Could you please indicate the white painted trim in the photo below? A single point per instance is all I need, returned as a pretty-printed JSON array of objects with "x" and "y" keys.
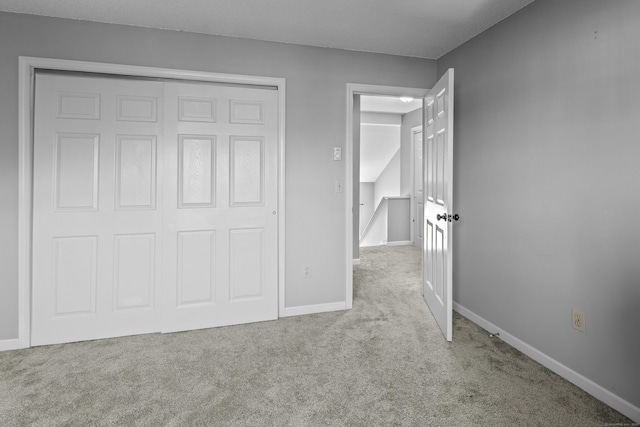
[
  {"x": 356, "y": 261},
  {"x": 25, "y": 169},
  {"x": 27, "y": 65},
  {"x": 361, "y": 89},
  {"x": 399, "y": 243},
  {"x": 6, "y": 345},
  {"x": 414, "y": 219},
  {"x": 316, "y": 308},
  {"x": 596, "y": 390}
]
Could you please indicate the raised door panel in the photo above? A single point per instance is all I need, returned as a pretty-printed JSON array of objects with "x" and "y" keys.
[
  {"x": 135, "y": 172},
  {"x": 246, "y": 263},
  {"x": 440, "y": 158},
  {"x": 196, "y": 171},
  {"x": 247, "y": 171},
  {"x": 76, "y": 171},
  {"x": 196, "y": 281},
  {"x": 246, "y": 112},
  {"x": 136, "y": 108},
  {"x": 440, "y": 264},
  {"x": 74, "y": 275},
  {"x": 134, "y": 275},
  {"x": 197, "y": 109},
  {"x": 429, "y": 173},
  {"x": 83, "y": 106},
  {"x": 430, "y": 254}
]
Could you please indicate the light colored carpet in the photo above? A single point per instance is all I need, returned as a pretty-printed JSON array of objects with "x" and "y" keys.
[{"x": 383, "y": 363}]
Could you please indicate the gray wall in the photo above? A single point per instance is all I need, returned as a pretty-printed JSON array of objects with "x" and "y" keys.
[
  {"x": 316, "y": 103},
  {"x": 547, "y": 181},
  {"x": 388, "y": 183},
  {"x": 366, "y": 204},
  {"x": 399, "y": 220}
]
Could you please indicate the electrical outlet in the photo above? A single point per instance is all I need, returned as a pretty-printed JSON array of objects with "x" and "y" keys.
[
  {"x": 339, "y": 186},
  {"x": 306, "y": 272},
  {"x": 577, "y": 320},
  {"x": 337, "y": 153}
]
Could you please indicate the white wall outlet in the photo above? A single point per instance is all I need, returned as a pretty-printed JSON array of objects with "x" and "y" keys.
[
  {"x": 306, "y": 272},
  {"x": 577, "y": 320},
  {"x": 337, "y": 153},
  {"x": 339, "y": 186}
]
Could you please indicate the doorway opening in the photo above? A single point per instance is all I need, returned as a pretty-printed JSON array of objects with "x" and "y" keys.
[
  {"x": 370, "y": 115},
  {"x": 386, "y": 181}
]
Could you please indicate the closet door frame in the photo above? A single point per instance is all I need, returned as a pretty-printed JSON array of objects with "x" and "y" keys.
[{"x": 27, "y": 70}]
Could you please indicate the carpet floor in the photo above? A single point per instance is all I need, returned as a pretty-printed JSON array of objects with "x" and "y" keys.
[{"x": 383, "y": 363}]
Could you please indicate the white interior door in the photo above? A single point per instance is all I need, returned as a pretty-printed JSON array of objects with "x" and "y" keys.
[
  {"x": 438, "y": 202},
  {"x": 418, "y": 184},
  {"x": 220, "y": 206},
  {"x": 97, "y": 222}
]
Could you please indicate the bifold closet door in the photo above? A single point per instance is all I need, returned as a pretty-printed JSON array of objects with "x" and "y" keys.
[
  {"x": 97, "y": 221},
  {"x": 155, "y": 207},
  {"x": 220, "y": 206}
]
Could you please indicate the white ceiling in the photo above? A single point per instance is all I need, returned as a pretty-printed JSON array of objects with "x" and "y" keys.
[
  {"x": 388, "y": 104},
  {"x": 420, "y": 28}
]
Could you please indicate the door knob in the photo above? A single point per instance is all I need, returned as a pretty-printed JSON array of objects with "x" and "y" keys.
[{"x": 448, "y": 217}]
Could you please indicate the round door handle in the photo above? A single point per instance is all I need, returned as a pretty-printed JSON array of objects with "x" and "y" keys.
[{"x": 448, "y": 217}]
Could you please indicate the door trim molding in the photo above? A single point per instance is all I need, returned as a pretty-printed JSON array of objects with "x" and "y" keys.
[
  {"x": 414, "y": 219},
  {"x": 26, "y": 79},
  {"x": 361, "y": 89}
]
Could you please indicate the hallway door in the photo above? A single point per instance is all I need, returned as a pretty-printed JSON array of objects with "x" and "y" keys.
[{"x": 438, "y": 202}]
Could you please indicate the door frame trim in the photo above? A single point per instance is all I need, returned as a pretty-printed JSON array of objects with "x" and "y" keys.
[
  {"x": 414, "y": 219},
  {"x": 26, "y": 80},
  {"x": 361, "y": 89}
]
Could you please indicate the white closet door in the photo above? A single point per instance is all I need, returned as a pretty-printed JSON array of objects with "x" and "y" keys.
[
  {"x": 220, "y": 238},
  {"x": 97, "y": 224}
]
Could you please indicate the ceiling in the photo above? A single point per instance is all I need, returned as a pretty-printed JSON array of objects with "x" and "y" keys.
[
  {"x": 388, "y": 104},
  {"x": 419, "y": 28}
]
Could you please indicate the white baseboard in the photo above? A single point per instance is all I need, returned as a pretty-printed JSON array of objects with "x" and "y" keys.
[
  {"x": 399, "y": 243},
  {"x": 12, "y": 344},
  {"x": 596, "y": 390},
  {"x": 356, "y": 261},
  {"x": 316, "y": 308}
]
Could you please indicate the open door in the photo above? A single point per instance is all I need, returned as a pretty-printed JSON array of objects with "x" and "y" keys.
[{"x": 438, "y": 202}]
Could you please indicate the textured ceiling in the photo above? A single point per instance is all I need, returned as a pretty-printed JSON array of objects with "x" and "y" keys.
[{"x": 420, "y": 28}]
